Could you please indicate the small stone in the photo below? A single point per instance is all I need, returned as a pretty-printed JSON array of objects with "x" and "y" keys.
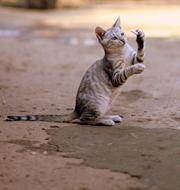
[
  {"x": 45, "y": 152},
  {"x": 27, "y": 175},
  {"x": 54, "y": 126}
]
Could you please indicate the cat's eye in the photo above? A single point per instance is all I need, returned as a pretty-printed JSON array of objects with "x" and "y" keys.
[
  {"x": 122, "y": 34},
  {"x": 114, "y": 38}
]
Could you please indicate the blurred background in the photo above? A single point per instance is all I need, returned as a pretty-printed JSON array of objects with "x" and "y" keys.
[{"x": 158, "y": 18}]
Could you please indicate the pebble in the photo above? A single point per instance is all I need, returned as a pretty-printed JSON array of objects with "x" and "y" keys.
[
  {"x": 54, "y": 126},
  {"x": 45, "y": 152}
]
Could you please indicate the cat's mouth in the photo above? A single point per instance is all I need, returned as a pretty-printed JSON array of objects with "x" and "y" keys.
[{"x": 123, "y": 41}]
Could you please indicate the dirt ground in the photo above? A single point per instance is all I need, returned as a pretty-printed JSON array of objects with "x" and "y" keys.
[{"x": 43, "y": 57}]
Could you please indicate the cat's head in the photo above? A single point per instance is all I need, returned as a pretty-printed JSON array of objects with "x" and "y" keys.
[{"x": 112, "y": 38}]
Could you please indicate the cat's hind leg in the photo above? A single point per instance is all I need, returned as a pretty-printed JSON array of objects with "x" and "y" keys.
[
  {"x": 90, "y": 119},
  {"x": 99, "y": 121}
]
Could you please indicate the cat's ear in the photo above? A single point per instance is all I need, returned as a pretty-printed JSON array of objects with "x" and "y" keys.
[
  {"x": 99, "y": 32},
  {"x": 117, "y": 23}
]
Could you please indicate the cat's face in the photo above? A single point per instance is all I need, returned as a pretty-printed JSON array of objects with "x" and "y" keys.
[{"x": 112, "y": 38}]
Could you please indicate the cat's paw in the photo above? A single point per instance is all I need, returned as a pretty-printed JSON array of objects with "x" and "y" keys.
[
  {"x": 138, "y": 68},
  {"x": 116, "y": 118},
  {"x": 140, "y": 38},
  {"x": 140, "y": 33}
]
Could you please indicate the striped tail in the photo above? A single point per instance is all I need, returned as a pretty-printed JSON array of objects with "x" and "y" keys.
[{"x": 47, "y": 118}]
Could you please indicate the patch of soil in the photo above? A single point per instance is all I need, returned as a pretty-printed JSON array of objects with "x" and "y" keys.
[{"x": 151, "y": 155}]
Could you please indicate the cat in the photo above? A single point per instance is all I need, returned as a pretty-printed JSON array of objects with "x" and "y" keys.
[{"x": 102, "y": 81}]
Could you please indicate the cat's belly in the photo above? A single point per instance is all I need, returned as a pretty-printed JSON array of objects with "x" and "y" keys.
[{"x": 95, "y": 92}]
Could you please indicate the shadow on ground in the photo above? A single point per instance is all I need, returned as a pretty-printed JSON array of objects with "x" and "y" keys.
[{"x": 151, "y": 155}]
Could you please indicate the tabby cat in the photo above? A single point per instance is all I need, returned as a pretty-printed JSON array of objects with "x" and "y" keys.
[{"x": 103, "y": 79}]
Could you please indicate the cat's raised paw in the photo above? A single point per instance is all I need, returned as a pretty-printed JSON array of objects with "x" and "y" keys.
[
  {"x": 138, "y": 68},
  {"x": 140, "y": 33}
]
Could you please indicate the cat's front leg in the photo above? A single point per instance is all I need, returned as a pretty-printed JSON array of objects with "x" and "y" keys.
[
  {"x": 120, "y": 76},
  {"x": 139, "y": 56}
]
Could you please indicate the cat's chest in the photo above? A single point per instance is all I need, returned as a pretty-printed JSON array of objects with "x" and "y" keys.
[
  {"x": 128, "y": 54},
  {"x": 125, "y": 58},
  {"x": 122, "y": 62}
]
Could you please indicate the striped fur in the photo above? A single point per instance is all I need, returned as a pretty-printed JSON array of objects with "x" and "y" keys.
[
  {"x": 48, "y": 118},
  {"x": 102, "y": 81},
  {"x": 140, "y": 43}
]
